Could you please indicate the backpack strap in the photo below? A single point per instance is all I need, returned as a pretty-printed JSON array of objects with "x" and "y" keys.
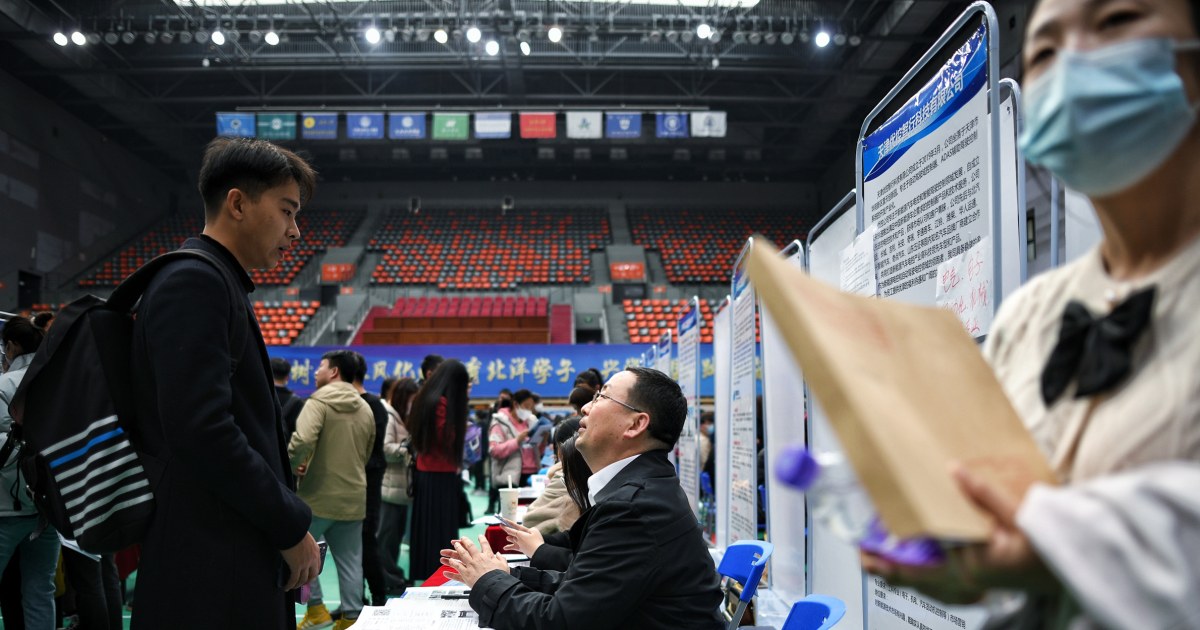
[{"x": 126, "y": 296}]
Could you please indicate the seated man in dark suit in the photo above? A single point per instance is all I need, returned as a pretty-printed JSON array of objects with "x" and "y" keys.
[{"x": 639, "y": 560}]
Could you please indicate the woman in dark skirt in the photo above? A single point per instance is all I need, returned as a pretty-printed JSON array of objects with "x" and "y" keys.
[{"x": 438, "y": 422}]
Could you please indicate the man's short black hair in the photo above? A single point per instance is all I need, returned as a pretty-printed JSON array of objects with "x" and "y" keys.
[
  {"x": 22, "y": 332},
  {"x": 661, "y": 398},
  {"x": 344, "y": 361},
  {"x": 521, "y": 395},
  {"x": 280, "y": 369},
  {"x": 252, "y": 166},
  {"x": 430, "y": 363},
  {"x": 360, "y": 367}
]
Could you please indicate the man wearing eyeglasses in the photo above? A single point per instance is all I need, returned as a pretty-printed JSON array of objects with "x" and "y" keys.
[{"x": 639, "y": 559}]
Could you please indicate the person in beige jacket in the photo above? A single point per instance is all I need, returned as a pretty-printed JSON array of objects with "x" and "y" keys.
[
  {"x": 335, "y": 434},
  {"x": 556, "y": 510}
]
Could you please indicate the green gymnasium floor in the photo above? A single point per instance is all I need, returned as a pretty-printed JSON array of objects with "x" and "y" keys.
[{"x": 329, "y": 582}]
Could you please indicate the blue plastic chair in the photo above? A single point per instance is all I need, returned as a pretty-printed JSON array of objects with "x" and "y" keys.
[
  {"x": 745, "y": 561},
  {"x": 815, "y": 612},
  {"x": 706, "y": 483}
]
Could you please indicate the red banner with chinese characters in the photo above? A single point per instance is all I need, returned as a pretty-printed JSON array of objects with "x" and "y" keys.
[
  {"x": 338, "y": 272},
  {"x": 539, "y": 125},
  {"x": 628, "y": 271}
]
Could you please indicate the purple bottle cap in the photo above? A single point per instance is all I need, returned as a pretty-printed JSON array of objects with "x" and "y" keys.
[
  {"x": 797, "y": 467},
  {"x": 921, "y": 552}
]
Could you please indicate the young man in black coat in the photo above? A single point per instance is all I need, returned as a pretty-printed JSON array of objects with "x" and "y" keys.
[
  {"x": 228, "y": 532},
  {"x": 639, "y": 557}
]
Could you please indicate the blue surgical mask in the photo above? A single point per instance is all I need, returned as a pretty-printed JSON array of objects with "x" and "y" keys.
[{"x": 1104, "y": 119}]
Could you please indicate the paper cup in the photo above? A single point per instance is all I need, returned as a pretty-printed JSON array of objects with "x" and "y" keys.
[{"x": 508, "y": 503}]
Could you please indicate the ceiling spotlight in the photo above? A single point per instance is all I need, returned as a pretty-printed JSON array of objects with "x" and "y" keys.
[
  {"x": 218, "y": 37},
  {"x": 523, "y": 35},
  {"x": 672, "y": 36},
  {"x": 185, "y": 37},
  {"x": 821, "y": 40},
  {"x": 457, "y": 34},
  {"x": 272, "y": 38},
  {"x": 687, "y": 36},
  {"x": 492, "y": 47},
  {"x": 715, "y": 37},
  {"x": 655, "y": 36},
  {"x": 422, "y": 34},
  {"x": 373, "y": 36},
  {"x": 93, "y": 38},
  {"x": 128, "y": 37},
  {"x": 770, "y": 39},
  {"x": 78, "y": 38},
  {"x": 525, "y": 49},
  {"x": 440, "y": 36},
  {"x": 716, "y": 63},
  {"x": 855, "y": 40},
  {"x": 839, "y": 39},
  {"x": 234, "y": 35},
  {"x": 787, "y": 38},
  {"x": 803, "y": 37},
  {"x": 149, "y": 37},
  {"x": 704, "y": 31},
  {"x": 255, "y": 36},
  {"x": 110, "y": 38},
  {"x": 739, "y": 38},
  {"x": 555, "y": 34},
  {"x": 339, "y": 38},
  {"x": 406, "y": 35},
  {"x": 474, "y": 35},
  {"x": 201, "y": 37},
  {"x": 204, "y": 62},
  {"x": 756, "y": 38},
  {"x": 61, "y": 39},
  {"x": 166, "y": 37}
]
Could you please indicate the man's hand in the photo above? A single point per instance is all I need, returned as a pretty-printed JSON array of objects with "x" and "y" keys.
[
  {"x": 304, "y": 561},
  {"x": 523, "y": 539},
  {"x": 1005, "y": 560},
  {"x": 468, "y": 563}
]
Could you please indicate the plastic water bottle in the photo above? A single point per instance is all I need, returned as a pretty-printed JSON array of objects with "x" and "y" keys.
[{"x": 839, "y": 503}]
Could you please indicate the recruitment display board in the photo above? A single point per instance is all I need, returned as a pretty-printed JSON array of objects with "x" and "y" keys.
[
  {"x": 722, "y": 345},
  {"x": 687, "y": 449},
  {"x": 1013, "y": 259},
  {"x": 783, "y": 425},
  {"x": 662, "y": 354},
  {"x": 931, "y": 189},
  {"x": 929, "y": 178},
  {"x": 742, "y": 434},
  {"x": 834, "y": 567}
]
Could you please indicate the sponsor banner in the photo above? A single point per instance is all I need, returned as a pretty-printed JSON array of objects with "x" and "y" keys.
[
  {"x": 584, "y": 125},
  {"x": 708, "y": 124},
  {"x": 539, "y": 125},
  {"x": 493, "y": 125},
  {"x": 277, "y": 126},
  {"x": 364, "y": 125},
  {"x": 623, "y": 125},
  {"x": 238, "y": 124},
  {"x": 450, "y": 126},
  {"x": 406, "y": 125},
  {"x": 671, "y": 125},
  {"x": 319, "y": 126}
]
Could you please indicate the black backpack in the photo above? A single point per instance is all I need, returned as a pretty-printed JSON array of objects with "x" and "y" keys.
[{"x": 74, "y": 409}]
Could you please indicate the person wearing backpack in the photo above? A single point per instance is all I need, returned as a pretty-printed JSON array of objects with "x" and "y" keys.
[
  {"x": 19, "y": 520},
  {"x": 288, "y": 400},
  {"x": 227, "y": 522},
  {"x": 506, "y": 438}
]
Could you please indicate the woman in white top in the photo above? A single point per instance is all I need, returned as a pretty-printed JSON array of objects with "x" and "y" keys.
[{"x": 1102, "y": 357}]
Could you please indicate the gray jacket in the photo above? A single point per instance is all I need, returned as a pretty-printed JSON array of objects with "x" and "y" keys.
[{"x": 13, "y": 499}]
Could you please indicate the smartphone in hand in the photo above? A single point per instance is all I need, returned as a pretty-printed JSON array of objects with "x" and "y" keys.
[{"x": 285, "y": 572}]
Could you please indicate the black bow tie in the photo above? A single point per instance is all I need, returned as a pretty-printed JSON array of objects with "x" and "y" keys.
[{"x": 1095, "y": 351}]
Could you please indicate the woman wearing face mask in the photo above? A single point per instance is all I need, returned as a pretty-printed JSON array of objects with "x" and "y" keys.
[
  {"x": 1100, "y": 358},
  {"x": 510, "y": 428}
]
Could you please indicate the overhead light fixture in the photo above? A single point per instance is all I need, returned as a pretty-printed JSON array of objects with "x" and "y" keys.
[
  {"x": 93, "y": 38},
  {"x": 839, "y": 39},
  {"x": 78, "y": 38},
  {"x": 233, "y": 35},
  {"x": 555, "y": 34},
  {"x": 804, "y": 37},
  {"x": 218, "y": 37},
  {"x": 150, "y": 37},
  {"x": 166, "y": 37},
  {"x": 787, "y": 38},
  {"x": 770, "y": 39},
  {"x": 821, "y": 40},
  {"x": 440, "y": 36},
  {"x": 525, "y": 49},
  {"x": 255, "y": 36},
  {"x": 523, "y": 35},
  {"x": 111, "y": 38},
  {"x": 655, "y": 36},
  {"x": 389, "y": 35},
  {"x": 855, "y": 40},
  {"x": 272, "y": 38},
  {"x": 60, "y": 38},
  {"x": 686, "y": 36},
  {"x": 373, "y": 36},
  {"x": 201, "y": 36},
  {"x": 185, "y": 37},
  {"x": 128, "y": 37},
  {"x": 704, "y": 31},
  {"x": 474, "y": 35},
  {"x": 457, "y": 34},
  {"x": 715, "y": 37},
  {"x": 422, "y": 34},
  {"x": 672, "y": 36},
  {"x": 756, "y": 38},
  {"x": 492, "y": 47},
  {"x": 716, "y": 63},
  {"x": 739, "y": 37}
]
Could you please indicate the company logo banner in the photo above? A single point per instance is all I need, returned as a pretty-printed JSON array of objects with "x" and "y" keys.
[
  {"x": 708, "y": 125},
  {"x": 277, "y": 126},
  {"x": 450, "y": 126},
  {"x": 671, "y": 125},
  {"x": 623, "y": 124},
  {"x": 586, "y": 125},
  {"x": 493, "y": 125},
  {"x": 364, "y": 125},
  {"x": 319, "y": 126},
  {"x": 237, "y": 124},
  {"x": 406, "y": 125},
  {"x": 539, "y": 125}
]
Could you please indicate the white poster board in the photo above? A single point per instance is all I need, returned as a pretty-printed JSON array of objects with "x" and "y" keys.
[
  {"x": 687, "y": 449},
  {"x": 834, "y": 567},
  {"x": 722, "y": 347},
  {"x": 783, "y": 425},
  {"x": 743, "y": 440},
  {"x": 662, "y": 354},
  {"x": 1012, "y": 192}
]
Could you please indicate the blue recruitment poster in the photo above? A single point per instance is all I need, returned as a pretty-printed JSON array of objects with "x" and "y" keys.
[
  {"x": 237, "y": 124},
  {"x": 925, "y": 182},
  {"x": 743, "y": 437},
  {"x": 623, "y": 125},
  {"x": 687, "y": 450},
  {"x": 717, "y": 530},
  {"x": 406, "y": 125},
  {"x": 364, "y": 125}
]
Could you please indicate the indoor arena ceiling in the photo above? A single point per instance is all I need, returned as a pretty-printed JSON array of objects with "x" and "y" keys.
[{"x": 150, "y": 74}]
